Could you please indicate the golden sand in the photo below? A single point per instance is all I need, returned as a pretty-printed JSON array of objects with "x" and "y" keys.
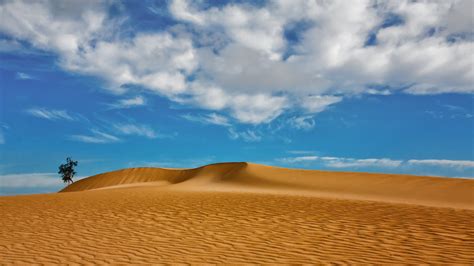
[{"x": 242, "y": 213}]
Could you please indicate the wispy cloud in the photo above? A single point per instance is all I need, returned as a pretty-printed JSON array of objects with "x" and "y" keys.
[
  {"x": 298, "y": 159},
  {"x": 450, "y": 111},
  {"x": 342, "y": 162},
  {"x": 96, "y": 137},
  {"x": 317, "y": 103},
  {"x": 443, "y": 163},
  {"x": 129, "y": 103},
  {"x": 138, "y": 130},
  {"x": 29, "y": 180},
  {"x": 181, "y": 163},
  {"x": 300, "y": 152},
  {"x": 247, "y": 135},
  {"x": 2, "y": 137},
  {"x": 305, "y": 122},
  {"x": 351, "y": 162},
  {"x": 23, "y": 76},
  {"x": 212, "y": 118},
  {"x": 10, "y": 46},
  {"x": 50, "y": 114},
  {"x": 453, "y": 107},
  {"x": 14, "y": 184}
]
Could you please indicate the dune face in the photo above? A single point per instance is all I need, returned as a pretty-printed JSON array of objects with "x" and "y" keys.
[
  {"x": 240, "y": 213},
  {"x": 249, "y": 177}
]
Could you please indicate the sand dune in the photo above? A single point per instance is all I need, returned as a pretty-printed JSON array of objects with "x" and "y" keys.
[
  {"x": 241, "y": 176},
  {"x": 236, "y": 213}
]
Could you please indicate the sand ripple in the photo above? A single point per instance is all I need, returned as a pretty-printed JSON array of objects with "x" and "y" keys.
[{"x": 146, "y": 225}]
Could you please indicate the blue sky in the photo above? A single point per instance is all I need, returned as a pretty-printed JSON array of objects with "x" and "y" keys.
[{"x": 371, "y": 87}]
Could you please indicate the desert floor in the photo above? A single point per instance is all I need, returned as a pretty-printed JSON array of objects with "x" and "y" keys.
[{"x": 149, "y": 224}]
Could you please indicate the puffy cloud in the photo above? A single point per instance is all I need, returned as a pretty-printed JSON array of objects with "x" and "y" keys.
[
  {"x": 157, "y": 61},
  {"x": 332, "y": 55},
  {"x": 317, "y": 103},
  {"x": 252, "y": 108},
  {"x": 256, "y": 62},
  {"x": 254, "y": 28},
  {"x": 58, "y": 26},
  {"x": 334, "y": 50},
  {"x": 50, "y": 114},
  {"x": 255, "y": 109}
]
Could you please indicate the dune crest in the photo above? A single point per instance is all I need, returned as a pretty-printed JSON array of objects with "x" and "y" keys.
[
  {"x": 241, "y": 213},
  {"x": 250, "y": 177}
]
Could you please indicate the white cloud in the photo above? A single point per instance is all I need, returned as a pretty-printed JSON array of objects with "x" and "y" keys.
[
  {"x": 2, "y": 137},
  {"x": 130, "y": 102},
  {"x": 316, "y": 104},
  {"x": 138, "y": 130},
  {"x": 302, "y": 122},
  {"x": 159, "y": 62},
  {"x": 331, "y": 57},
  {"x": 96, "y": 137},
  {"x": 443, "y": 163},
  {"x": 254, "y": 28},
  {"x": 217, "y": 119},
  {"x": 342, "y": 162},
  {"x": 247, "y": 135},
  {"x": 23, "y": 76},
  {"x": 50, "y": 114},
  {"x": 212, "y": 118},
  {"x": 299, "y": 159},
  {"x": 351, "y": 162},
  {"x": 256, "y": 109},
  {"x": 33, "y": 180},
  {"x": 30, "y": 180},
  {"x": 237, "y": 59}
]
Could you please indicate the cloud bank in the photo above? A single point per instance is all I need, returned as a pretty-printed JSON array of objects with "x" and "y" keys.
[
  {"x": 343, "y": 162},
  {"x": 30, "y": 180},
  {"x": 255, "y": 62}
]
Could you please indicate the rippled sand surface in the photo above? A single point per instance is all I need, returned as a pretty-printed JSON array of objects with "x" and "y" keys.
[
  {"x": 139, "y": 225},
  {"x": 155, "y": 222}
]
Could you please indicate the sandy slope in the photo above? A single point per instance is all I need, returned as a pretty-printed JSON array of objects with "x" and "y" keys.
[
  {"x": 249, "y": 177},
  {"x": 241, "y": 213}
]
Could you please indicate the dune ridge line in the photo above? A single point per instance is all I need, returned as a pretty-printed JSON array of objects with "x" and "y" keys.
[{"x": 256, "y": 178}]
